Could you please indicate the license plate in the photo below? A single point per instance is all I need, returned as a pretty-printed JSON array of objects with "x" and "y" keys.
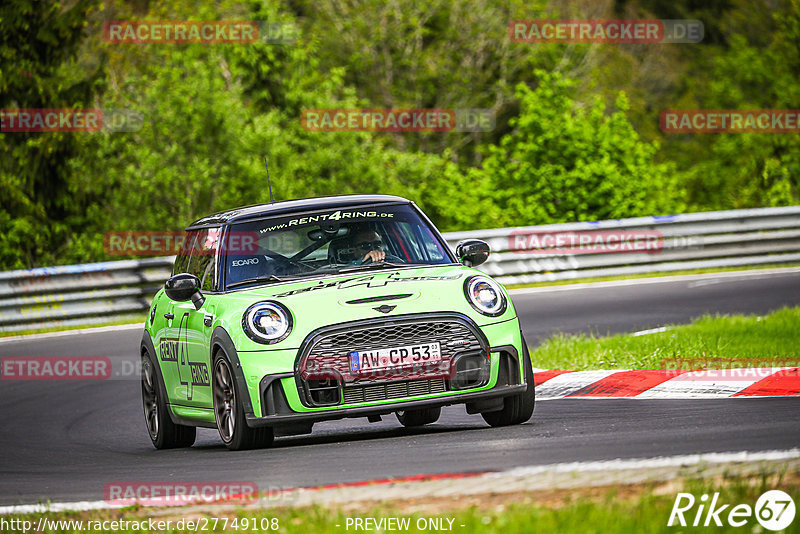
[{"x": 369, "y": 360}]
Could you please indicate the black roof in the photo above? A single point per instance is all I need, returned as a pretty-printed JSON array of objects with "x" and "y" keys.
[{"x": 287, "y": 207}]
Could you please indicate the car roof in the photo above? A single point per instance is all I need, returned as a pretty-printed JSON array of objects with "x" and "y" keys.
[{"x": 287, "y": 207}]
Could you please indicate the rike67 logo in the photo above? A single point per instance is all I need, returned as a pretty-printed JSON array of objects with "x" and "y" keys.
[{"x": 774, "y": 510}]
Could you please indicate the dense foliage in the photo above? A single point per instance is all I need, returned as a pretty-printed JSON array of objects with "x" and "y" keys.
[{"x": 576, "y": 134}]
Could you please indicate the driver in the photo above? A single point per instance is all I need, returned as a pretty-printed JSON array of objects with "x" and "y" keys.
[{"x": 367, "y": 245}]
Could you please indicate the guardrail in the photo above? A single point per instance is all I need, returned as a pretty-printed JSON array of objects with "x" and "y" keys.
[
  {"x": 100, "y": 292},
  {"x": 690, "y": 241},
  {"x": 79, "y": 294}
]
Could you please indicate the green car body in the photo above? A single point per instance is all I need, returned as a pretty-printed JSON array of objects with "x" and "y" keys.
[{"x": 205, "y": 360}]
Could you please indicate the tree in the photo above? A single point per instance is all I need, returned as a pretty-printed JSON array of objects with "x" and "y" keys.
[
  {"x": 743, "y": 170},
  {"x": 39, "y": 45},
  {"x": 210, "y": 116},
  {"x": 567, "y": 163}
]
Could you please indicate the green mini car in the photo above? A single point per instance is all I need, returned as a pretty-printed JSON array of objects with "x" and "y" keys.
[{"x": 281, "y": 315}]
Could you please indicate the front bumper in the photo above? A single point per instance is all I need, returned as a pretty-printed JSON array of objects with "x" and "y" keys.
[
  {"x": 507, "y": 379},
  {"x": 308, "y": 418},
  {"x": 276, "y": 393}
]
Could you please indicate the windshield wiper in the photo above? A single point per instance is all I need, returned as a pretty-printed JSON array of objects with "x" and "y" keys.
[{"x": 270, "y": 278}]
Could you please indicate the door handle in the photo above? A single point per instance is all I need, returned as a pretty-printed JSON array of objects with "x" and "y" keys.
[{"x": 169, "y": 316}]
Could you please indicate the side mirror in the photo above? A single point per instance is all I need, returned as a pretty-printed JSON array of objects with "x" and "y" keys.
[
  {"x": 183, "y": 287},
  {"x": 472, "y": 252}
]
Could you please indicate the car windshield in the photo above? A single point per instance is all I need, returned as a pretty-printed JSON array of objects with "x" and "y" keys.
[{"x": 332, "y": 241}]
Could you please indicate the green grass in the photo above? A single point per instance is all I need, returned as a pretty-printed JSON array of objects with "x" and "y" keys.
[
  {"x": 605, "y": 510},
  {"x": 738, "y": 340},
  {"x": 650, "y": 275}
]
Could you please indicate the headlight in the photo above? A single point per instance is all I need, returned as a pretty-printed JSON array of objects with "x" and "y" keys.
[
  {"x": 267, "y": 322},
  {"x": 485, "y": 295}
]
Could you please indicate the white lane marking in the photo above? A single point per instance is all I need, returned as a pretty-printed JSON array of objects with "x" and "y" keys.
[
  {"x": 479, "y": 483},
  {"x": 80, "y": 506},
  {"x": 762, "y": 273},
  {"x": 650, "y": 331},
  {"x": 62, "y": 333},
  {"x": 568, "y": 383},
  {"x": 658, "y": 461}
]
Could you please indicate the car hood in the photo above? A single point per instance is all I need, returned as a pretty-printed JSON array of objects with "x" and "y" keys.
[{"x": 359, "y": 295}]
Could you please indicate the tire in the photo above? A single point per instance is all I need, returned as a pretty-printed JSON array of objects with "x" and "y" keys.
[
  {"x": 419, "y": 417},
  {"x": 229, "y": 413},
  {"x": 163, "y": 432},
  {"x": 517, "y": 408}
]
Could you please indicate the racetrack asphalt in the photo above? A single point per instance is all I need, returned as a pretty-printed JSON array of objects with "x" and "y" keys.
[{"x": 64, "y": 441}]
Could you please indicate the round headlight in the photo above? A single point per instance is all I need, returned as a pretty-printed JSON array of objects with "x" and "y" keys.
[
  {"x": 267, "y": 322},
  {"x": 485, "y": 295}
]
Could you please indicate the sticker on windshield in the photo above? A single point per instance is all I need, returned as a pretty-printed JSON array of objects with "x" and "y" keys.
[
  {"x": 240, "y": 263},
  {"x": 337, "y": 215}
]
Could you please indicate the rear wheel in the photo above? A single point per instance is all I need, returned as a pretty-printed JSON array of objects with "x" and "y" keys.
[
  {"x": 419, "y": 416},
  {"x": 163, "y": 432},
  {"x": 229, "y": 413},
  {"x": 518, "y": 408}
]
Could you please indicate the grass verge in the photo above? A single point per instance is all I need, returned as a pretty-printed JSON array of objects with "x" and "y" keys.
[
  {"x": 740, "y": 340},
  {"x": 605, "y": 509}
]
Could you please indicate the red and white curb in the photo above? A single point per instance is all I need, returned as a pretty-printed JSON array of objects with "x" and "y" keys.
[{"x": 668, "y": 383}]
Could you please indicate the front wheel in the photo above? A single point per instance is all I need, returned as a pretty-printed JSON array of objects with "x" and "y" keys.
[
  {"x": 419, "y": 417},
  {"x": 517, "y": 408},
  {"x": 163, "y": 432},
  {"x": 229, "y": 413}
]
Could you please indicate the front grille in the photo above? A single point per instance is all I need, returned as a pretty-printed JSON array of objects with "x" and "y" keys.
[
  {"x": 393, "y": 390},
  {"x": 326, "y": 354}
]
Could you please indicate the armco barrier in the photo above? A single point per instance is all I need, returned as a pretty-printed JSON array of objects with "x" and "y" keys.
[
  {"x": 96, "y": 292},
  {"x": 79, "y": 294},
  {"x": 689, "y": 241}
]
